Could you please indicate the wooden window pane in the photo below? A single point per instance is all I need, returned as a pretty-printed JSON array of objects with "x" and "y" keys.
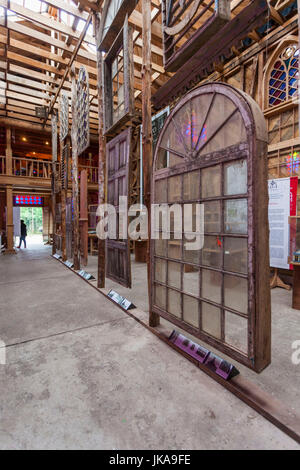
[
  {"x": 160, "y": 270},
  {"x": 211, "y": 182},
  {"x": 174, "y": 249},
  {"x": 160, "y": 247},
  {"x": 191, "y": 279},
  {"x": 212, "y": 251},
  {"x": 236, "y": 216},
  {"x": 191, "y": 311},
  {"x": 174, "y": 189},
  {"x": 161, "y": 191},
  {"x": 174, "y": 303},
  {"x": 236, "y": 331},
  {"x": 191, "y": 186},
  {"x": 174, "y": 274},
  {"x": 236, "y": 255},
  {"x": 211, "y": 285},
  {"x": 211, "y": 320},
  {"x": 212, "y": 216},
  {"x": 235, "y": 178},
  {"x": 160, "y": 296},
  {"x": 236, "y": 293}
]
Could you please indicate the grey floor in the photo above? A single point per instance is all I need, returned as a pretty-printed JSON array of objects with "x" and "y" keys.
[{"x": 82, "y": 374}]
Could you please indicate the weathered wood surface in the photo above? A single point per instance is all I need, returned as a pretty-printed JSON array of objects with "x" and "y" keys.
[
  {"x": 147, "y": 134},
  {"x": 202, "y": 62},
  {"x": 75, "y": 184},
  {"x": 83, "y": 218}
]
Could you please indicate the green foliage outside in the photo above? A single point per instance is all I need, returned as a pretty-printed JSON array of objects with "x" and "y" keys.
[{"x": 33, "y": 218}]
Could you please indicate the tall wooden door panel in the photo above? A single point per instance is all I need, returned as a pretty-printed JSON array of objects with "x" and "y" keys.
[{"x": 118, "y": 266}]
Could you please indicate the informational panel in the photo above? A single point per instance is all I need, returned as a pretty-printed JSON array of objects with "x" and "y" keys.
[
  {"x": 17, "y": 222},
  {"x": 282, "y": 205}
]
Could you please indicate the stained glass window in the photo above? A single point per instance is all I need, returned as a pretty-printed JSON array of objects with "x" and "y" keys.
[
  {"x": 283, "y": 83},
  {"x": 28, "y": 201}
]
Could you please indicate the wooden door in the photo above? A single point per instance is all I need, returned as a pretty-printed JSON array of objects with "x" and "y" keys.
[
  {"x": 83, "y": 218},
  {"x": 118, "y": 266}
]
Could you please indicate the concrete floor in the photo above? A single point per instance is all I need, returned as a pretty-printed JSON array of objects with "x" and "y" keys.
[{"x": 82, "y": 374}]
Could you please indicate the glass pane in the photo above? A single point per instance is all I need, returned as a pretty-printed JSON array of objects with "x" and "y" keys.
[
  {"x": 202, "y": 103},
  {"x": 192, "y": 256},
  {"x": 174, "y": 190},
  {"x": 160, "y": 296},
  {"x": 160, "y": 270},
  {"x": 173, "y": 139},
  {"x": 174, "y": 303},
  {"x": 184, "y": 124},
  {"x": 211, "y": 181},
  {"x": 212, "y": 216},
  {"x": 191, "y": 280},
  {"x": 227, "y": 132},
  {"x": 235, "y": 176},
  {"x": 236, "y": 255},
  {"x": 212, "y": 251},
  {"x": 191, "y": 186},
  {"x": 212, "y": 286},
  {"x": 160, "y": 247},
  {"x": 236, "y": 293},
  {"x": 174, "y": 249},
  {"x": 236, "y": 331},
  {"x": 161, "y": 191},
  {"x": 211, "y": 320},
  {"x": 174, "y": 274},
  {"x": 191, "y": 311},
  {"x": 162, "y": 159},
  {"x": 236, "y": 216}
]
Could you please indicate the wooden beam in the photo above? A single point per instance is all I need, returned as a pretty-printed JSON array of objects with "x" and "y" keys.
[
  {"x": 75, "y": 187},
  {"x": 147, "y": 132},
  {"x": 48, "y": 23},
  {"x": 74, "y": 54}
]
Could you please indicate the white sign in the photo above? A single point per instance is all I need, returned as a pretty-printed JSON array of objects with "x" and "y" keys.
[{"x": 282, "y": 204}]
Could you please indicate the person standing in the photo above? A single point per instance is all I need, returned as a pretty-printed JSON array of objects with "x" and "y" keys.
[{"x": 23, "y": 234}]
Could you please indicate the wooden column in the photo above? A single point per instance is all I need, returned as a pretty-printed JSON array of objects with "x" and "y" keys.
[
  {"x": 9, "y": 219},
  {"x": 75, "y": 185},
  {"x": 102, "y": 161},
  {"x": 63, "y": 214},
  {"x": 8, "y": 152},
  {"x": 53, "y": 207},
  {"x": 147, "y": 132}
]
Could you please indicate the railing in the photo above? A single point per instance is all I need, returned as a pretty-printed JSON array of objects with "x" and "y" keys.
[
  {"x": 2, "y": 165},
  {"x": 26, "y": 167},
  {"x": 92, "y": 173},
  {"x": 31, "y": 168}
]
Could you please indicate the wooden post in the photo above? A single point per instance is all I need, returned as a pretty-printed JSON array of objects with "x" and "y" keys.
[
  {"x": 53, "y": 207},
  {"x": 75, "y": 188},
  {"x": 8, "y": 152},
  {"x": 102, "y": 162},
  {"x": 9, "y": 220},
  {"x": 147, "y": 133},
  {"x": 63, "y": 214}
]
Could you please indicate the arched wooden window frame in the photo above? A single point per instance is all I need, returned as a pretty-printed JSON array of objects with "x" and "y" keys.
[
  {"x": 288, "y": 41},
  {"x": 254, "y": 149}
]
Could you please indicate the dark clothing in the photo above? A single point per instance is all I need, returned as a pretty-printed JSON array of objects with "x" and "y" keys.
[
  {"x": 23, "y": 230},
  {"x": 22, "y": 239},
  {"x": 23, "y": 235}
]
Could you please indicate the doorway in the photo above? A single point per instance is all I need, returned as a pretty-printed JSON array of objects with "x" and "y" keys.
[{"x": 33, "y": 218}]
